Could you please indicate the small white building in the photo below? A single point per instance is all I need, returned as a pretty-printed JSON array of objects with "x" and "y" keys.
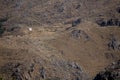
[{"x": 30, "y": 29}]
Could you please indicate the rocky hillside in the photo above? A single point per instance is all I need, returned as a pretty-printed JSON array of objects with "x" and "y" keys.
[
  {"x": 112, "y": 72},
  {"x": 59, "y": 39}
]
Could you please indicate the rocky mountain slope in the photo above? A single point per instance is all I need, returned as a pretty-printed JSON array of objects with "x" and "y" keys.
[
  {"x": 112, "y": 72},
  {"x": 59, "y": 39}
]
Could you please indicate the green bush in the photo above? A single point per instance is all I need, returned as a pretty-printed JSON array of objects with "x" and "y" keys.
[
  {"x": 2, "y": 30},
  {"x": 1, "y": 78},
  {"x": 3, "y": 19}
]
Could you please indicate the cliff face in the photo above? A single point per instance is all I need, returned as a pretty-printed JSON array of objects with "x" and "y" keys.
[{"x": 58, "y": 39}]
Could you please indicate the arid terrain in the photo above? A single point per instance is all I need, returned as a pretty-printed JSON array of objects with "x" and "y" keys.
[{"x": 59, "y": 39}]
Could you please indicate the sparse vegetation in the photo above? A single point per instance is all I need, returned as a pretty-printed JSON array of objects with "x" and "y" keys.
[
  {"x": 2, "y": 29},
  {"x": 118, "y": 9},
  {"x": 57, "y": 39},
  {"x": 76, "y": 22},
  {"x": 1, "y": 77},
  {"x": 109, "y": 22},
  {"x": 3, "y": 20}
]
